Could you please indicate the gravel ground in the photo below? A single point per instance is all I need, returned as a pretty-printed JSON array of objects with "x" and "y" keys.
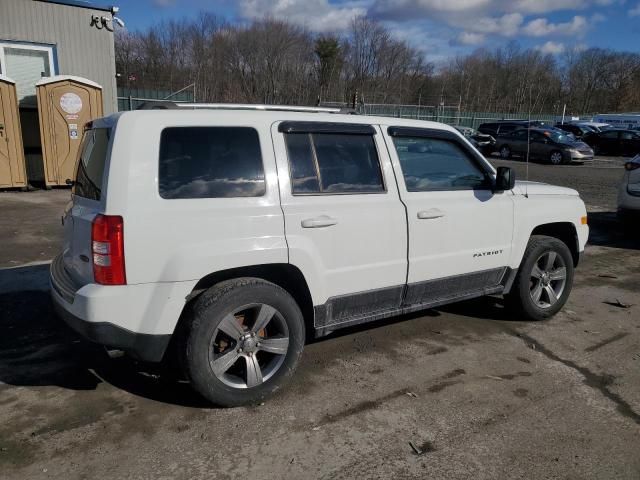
[{"x": 478, "y": 392}]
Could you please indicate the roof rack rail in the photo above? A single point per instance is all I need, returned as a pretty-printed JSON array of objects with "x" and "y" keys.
[{"x": 249, "y": 106}]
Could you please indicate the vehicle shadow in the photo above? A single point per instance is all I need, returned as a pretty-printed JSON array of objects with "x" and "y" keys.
[
  {"x": 607, "y": 230},
  {"x": 38, "y": 349}
]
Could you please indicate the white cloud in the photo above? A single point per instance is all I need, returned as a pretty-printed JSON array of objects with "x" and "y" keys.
[
  {"x": 506, "y": 25},
  {"x": 551, "y": 47},
  {"x": 316, "y": 15},
  {"x": 635, "y": 12},
  {"x": 469, "y": 38},
  {"x": 540, "y": 27}
]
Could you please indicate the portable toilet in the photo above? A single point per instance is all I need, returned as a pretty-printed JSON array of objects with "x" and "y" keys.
[
  {"x": 65, "y": 105},
  {"x": 12, "y": 166}
]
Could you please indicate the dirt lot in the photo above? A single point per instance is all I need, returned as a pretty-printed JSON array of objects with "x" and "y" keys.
[{"x": 479, "y": 393}]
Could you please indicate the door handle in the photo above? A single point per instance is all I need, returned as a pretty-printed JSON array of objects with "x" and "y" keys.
[
  {"x": 430, "y": 214},
  {"x": 319, "y": 222}
]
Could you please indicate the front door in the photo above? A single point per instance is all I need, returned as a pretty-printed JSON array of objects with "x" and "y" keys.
[
  {"x": 460, "y": 231},
  {"x": 344, "y": 222}
]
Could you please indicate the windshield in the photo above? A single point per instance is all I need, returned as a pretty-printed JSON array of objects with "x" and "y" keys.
[
  {"x": 558, "y": 137},
  {"x": 93, "y": 155}
]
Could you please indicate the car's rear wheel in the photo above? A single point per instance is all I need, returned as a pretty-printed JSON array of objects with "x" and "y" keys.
[
  {"x": 505, "y": 152},
  {"x": 556, "y": 157},
  {"x": 244, "y": 340},
  {"x": 544, "y": 279}
]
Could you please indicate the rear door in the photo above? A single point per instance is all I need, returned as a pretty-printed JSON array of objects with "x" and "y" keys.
[
  {"x": 518, "y": 142},
  {"x": 344, "y": 222},
  {"x": 87, "y": 201},
  {"x": 608, "y": 142},
  {"x": 629, "y": 143},
  {"x": 460, "y": 231}
]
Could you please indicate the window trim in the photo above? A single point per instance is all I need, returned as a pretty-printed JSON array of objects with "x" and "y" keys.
[
  {"x": 317, "y": 165},
  {"x": 472, "y": 155},
  {"x": 264, "y": 170},
  {"x": 326, "y": 127}
]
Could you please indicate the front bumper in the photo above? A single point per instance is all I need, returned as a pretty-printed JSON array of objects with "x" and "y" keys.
[{"x": 581, "y": 157}]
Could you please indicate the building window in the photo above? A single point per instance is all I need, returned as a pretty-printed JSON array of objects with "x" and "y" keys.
[{"x": 26, "y": 64}]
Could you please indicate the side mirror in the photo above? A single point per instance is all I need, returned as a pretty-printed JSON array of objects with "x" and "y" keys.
[{"x": 505, "y": 179}]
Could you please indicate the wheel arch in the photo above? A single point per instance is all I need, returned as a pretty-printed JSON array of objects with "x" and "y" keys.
[
  {"x": 565, "y": 232},
  {"x": 285, "y": 275}
]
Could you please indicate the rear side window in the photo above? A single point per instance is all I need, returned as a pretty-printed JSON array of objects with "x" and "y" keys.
[
  {"x": 507, "y": 128},
  {"x": 90, "y": 170},
  {"x": 430, "y": 164},
  {"x": 210, "y": 162},
  {"x": 333, "y": 163}
]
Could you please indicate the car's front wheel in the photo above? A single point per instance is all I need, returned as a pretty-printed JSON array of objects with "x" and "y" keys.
[
  {"x": 244, "y": 340},
  {"x": 556, "y": 157},
  {"x": 544, "y": 279},
  {"x": 505, "y": 152}
]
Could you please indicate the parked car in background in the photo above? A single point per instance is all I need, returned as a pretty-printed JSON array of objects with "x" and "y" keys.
[
  {"x": 629, "y": 192},
  {"x": 614, "y": 142},
  {"x": 504, "y": 127},
  {"x": 496, "y": 129},
  {"x": 578, "y": 131},
  {"x": 595, "y": 126},
  {"x": 482, "y": 141},
  {"x": 544, "y": 144}
]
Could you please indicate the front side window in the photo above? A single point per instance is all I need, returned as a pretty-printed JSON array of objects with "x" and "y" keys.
[
  {"x": 210, "y": 162},
  {"x": 91, "y": 163},
  {"x": 430, "y": 164},
  {"x": 333, "y": 163}
]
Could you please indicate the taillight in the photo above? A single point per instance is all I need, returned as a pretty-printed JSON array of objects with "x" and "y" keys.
[
  {"x": 631, "y": 166},
  {"x": 107, "y": 247}
]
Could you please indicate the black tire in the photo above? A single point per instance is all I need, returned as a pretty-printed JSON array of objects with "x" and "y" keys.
[
  {"x": 209, "y": 311},
  {"x": 505, "y": 152},
  {"x": 520, "y": 298}
]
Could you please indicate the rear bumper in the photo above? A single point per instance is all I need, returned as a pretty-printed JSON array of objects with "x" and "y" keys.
[
  {"x": 139, "y": 319},
  {"x": 149, "y": 348}
]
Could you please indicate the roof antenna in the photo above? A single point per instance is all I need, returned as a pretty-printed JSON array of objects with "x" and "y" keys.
[{"x": 526, "y": 185}]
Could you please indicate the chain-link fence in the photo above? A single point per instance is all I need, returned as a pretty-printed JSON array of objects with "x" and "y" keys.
[
  {"x": 132, "y": 98},
  {"x": 449, "y": 114}
]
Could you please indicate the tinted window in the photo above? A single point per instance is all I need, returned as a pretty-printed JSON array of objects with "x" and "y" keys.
[
  {"x": 210, "y": 162},
  {"x": 628, "y": 135},
  {"x": 508, "y": 128},
  {"x": 90, "y": 170},
  {"x": 521, "y": 134},
  {"x": 333, "y": 163},
  {"x": 304, "y": 176},
  {"x": 435, "y": 164},
  {"x": 612, "y": 134}
]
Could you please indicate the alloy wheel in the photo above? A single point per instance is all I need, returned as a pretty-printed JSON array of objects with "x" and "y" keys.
[
  {"x": 548, "y": 279},
  {"x": 249, "y": 346}
]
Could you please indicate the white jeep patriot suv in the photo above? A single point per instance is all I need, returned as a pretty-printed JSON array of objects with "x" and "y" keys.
[{"x": 237, "y": 232}]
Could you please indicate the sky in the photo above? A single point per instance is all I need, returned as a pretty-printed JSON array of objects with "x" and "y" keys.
[{"x": 440, "y": 28}]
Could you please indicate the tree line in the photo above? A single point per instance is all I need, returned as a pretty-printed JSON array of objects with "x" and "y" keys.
[{"x": 275, "y": 62}]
